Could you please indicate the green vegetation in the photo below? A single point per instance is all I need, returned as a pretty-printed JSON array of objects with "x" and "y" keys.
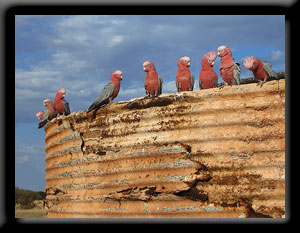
[{"x": 26, "y": 199}]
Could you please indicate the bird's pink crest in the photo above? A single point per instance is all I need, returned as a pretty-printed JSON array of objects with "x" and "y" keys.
[
  {"x": 222, "y": 47},
  {"x": 147, "y": 63},
  {"x": 62, "y": 91},
  {"x": 184, "y": 62},
  {"x": 248, "y": 62},
  {"x": 185, "y": 58},
  {"x": 211, "y": 55},
  {"x": 118, "y": 72}
]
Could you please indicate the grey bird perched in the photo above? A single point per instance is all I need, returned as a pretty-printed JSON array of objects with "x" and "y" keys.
[
  {"x": 230, "y": 70},
  {"x": 48, "y": 114},
  {"x": 261, "y": 70},
  {"x": 60, "y": 104},
  {"x": 109, "y": 92},
  {"x": 153, "y": 80},
  {"x": 184, "y": 78}
]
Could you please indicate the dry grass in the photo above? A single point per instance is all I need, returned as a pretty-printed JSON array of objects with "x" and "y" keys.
[{"x": 31, "y": 213}]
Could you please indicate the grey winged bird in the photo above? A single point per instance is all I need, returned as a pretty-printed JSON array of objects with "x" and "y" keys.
[
  {"x": 48, "y": 114},
  {"x": 262, "y": 70},
  {"x": 109, "y": 92}
]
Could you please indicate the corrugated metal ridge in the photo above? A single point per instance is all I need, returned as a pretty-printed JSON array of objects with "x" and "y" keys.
[{"x": 178, "y": 155}]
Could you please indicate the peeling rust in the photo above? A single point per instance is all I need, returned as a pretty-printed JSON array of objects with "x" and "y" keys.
[
  {"x": 149, "y": 102},
  {"x": 134, "y": 194},
  {"x": 252, "y": 214},
  {"x": 55, "y": 191},
  {"x": 185, "y": 146},
  {"x": 194, "y": 194},
  {"x": 82, "y": 144}
]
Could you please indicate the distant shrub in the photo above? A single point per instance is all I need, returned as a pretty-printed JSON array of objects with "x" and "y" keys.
[{"x": 26, "y": 198}]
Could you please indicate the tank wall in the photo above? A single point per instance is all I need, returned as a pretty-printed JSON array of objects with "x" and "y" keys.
[{"x": 216, "y": 153}]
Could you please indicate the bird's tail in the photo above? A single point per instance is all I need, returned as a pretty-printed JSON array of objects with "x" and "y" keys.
[
  {"x": 273, "y": 77},
  {"x": 90, "y": 109},
  {"x": 41, "y": 124}
]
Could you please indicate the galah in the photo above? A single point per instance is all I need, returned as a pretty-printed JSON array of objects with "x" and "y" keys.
[
  {"x": 184, "y": 78},
  {"x": 230, "y": 70},
  {"x": 39, "y": 115},
  {"x": 60, "y": 104},
  {"x": 261, "y": 70},
  {"x": 153, "y": 81},
  {"x": 109, "y": 92},
  {"x": 207, "y": 76},
  {"x": 48, "y": 114}
]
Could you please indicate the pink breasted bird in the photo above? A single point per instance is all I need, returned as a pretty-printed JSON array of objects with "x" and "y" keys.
[
  {"x": 48, "y": 114},
  {"x": 109, "y": 92},
  {"x": 207, "y": 76},
  {"x": 153, "y": 81},
  {"x": 60, "y": 104},
  {"x": 261, "y": 70},
  {"x": 184, "y": 78},
  {"x": 230, "y": 70}
]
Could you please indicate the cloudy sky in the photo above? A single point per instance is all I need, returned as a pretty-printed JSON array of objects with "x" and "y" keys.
[{"x": 79, "y": 53}]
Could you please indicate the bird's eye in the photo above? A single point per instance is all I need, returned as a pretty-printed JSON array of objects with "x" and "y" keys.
[
  {"x": 185, "y": 61},
  {"x": 209, "y": 60}
]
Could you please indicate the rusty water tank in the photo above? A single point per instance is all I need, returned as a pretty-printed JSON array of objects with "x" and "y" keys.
[{"x": 216, "y": 153}]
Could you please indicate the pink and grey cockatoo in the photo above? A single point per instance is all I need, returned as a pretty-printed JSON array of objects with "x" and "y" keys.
[
  {"x": 184, "y": 78},
  {"x": 109, "y": 92},
  {"x": 60, "y": 104},
  {"x": 230, "y": 70},
  {"x": 39, "y": 115},
  {"x": 153, "y": 81},
  {"x": 261, "y": 70},
  {"x": 48, "y": 114},
  {"x": 207, "y": 76}
]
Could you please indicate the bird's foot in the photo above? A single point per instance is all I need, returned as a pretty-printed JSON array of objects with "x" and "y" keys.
[
  {"x": 223, "y": 85},
  {"x": 261, "y": 83}
]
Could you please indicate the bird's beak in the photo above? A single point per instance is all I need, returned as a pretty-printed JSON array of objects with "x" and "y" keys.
[
  {"x": 121, "y": 77},
  {"x": 213, "y": 63},
  {"x": 144, "y": 68},
  {"x": 189, "y": 64},
  {"x": 218, "y": 53}
]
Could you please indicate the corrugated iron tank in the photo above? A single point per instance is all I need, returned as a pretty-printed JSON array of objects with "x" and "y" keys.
[{"x": 216, "y": 153}]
